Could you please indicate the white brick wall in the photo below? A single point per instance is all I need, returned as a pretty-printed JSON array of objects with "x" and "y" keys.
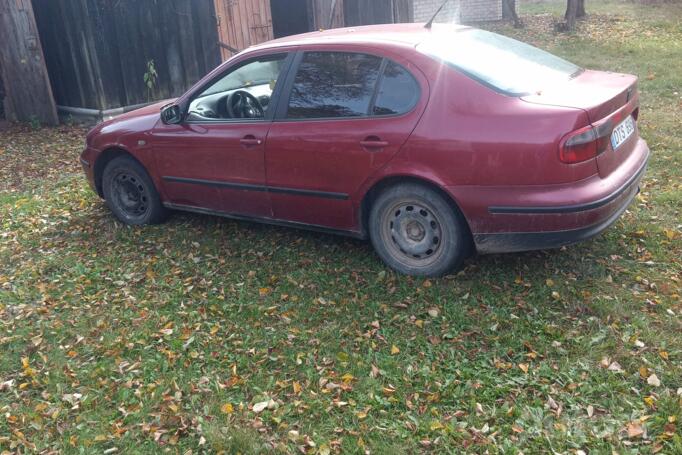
[{"x": 458, "y": 10}]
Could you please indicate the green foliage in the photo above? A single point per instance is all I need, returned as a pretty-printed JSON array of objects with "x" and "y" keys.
[{"x": 150, "y": 78}]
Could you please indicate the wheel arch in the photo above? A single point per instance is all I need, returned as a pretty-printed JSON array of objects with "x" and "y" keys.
[
  {"x": 104, "y": 158},
  {"x": 390, "y": 181}
]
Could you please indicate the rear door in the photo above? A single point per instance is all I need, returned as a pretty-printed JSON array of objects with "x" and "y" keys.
[{"x": 344, "y": 114}]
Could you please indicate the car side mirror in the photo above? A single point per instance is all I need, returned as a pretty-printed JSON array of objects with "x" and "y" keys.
[{"x": 171, "y": 114}]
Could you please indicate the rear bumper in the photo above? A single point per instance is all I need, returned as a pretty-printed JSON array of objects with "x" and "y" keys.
[
  {"x": 528, "y": 241},
  {"x": 572, "y": 218}
]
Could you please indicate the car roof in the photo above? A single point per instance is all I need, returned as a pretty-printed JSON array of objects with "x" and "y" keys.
[{"x": 402, "y": 34}]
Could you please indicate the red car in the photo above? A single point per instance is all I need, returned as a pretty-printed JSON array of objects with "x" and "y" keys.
[{"x": 429, "y": 142}]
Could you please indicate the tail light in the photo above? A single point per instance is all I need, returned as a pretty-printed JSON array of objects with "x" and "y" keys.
[{"x": 585, "y": 143}]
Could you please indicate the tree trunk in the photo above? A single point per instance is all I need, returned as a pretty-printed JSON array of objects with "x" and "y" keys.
[
  {"x": 26, "y": 83},
  {"x": 580, "y": 9},
  {"x": 571, "y": 14},
  {"x": 580, "y": 12},
  {"x": 509, "y": 12}
]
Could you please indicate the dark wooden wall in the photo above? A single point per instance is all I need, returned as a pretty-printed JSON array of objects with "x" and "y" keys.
[
  {"x": 97, "y": 50},
  {"x": 366, "y": 12}
]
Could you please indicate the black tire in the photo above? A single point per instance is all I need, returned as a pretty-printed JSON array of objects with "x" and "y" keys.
[
  {"x": 131, "y": 194},
  {"x": 416, "y": 231}
]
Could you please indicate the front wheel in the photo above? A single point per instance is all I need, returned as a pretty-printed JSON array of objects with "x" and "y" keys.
[
  {"x": 130, "y": 193},
  {"x": 416, "y": 231}
]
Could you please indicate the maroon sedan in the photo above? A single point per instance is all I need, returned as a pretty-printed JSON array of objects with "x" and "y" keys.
[{"x": 429, "y": 142}]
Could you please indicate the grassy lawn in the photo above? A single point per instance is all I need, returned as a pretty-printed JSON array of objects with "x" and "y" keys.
[{"x": 208, "y": 335}]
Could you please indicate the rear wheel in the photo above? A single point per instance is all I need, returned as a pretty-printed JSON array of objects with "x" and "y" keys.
[
  {"x": 416, "y": 231},
  {"x": 130, "y": 193}
]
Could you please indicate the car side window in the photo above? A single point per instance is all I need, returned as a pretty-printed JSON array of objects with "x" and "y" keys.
[
  {"x": 398, "y": 91},
  {"x": 242, "y": 93},
  {"x": 334, "y": 85}
]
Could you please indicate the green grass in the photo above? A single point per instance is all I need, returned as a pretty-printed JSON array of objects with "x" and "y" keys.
[{"x": 164, "y": 338}]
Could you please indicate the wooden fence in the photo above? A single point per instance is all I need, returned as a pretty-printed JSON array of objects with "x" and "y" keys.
[{"x": 97, "y": 50}]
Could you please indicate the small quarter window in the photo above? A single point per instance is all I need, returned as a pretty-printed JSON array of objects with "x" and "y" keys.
[
  {"x": 398, "y": 91},
  {"x": 333, "y": 85}
]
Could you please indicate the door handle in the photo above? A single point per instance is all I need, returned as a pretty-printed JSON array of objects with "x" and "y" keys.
[
  {"x": 250, "y": 141},
  {"x": 373, "y": 142}
]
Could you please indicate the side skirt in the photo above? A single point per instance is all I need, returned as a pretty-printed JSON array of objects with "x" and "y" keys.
[{"x": 270, "y": 221}]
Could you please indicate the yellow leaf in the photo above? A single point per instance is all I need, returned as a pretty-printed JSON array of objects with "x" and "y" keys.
[
  {"x": 649, "y": 401},
  {"x": 395, "y": 350},
  {"x": 663, "y": 354},
  {"x": 436, "y": 425},
  {"x": 40, "y": 407},
  {"x": 347, "y": 378},
  {"x": 549, "y": 282},
  {"x": 523, "y": 367},
  {"x": 215, "y": 329},
  {"x": 24, "y": 363},
  {"x": 670, "y": 234},
  {"x": 100, "y": 438},
  {"x": 297, "y": 387},
  {"x": 227, "y": 408},
  {"x": 419, "y": 323},
  {"x": 264, "y": 291}
]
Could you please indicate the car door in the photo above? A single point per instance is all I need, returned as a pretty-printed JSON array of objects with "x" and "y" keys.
[
  {"x": 345, "y": 114},
  {"x": 215, "y": 159}
]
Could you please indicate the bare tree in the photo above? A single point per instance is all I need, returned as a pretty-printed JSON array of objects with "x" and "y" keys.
[
  {"x": 575, "y": 9},
  {"x": 580, "y": 9},
  {"x": 509, "y": 12}
]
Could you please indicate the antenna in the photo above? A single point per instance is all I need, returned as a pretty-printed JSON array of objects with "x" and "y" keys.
[{"x": 433, "y": 18}]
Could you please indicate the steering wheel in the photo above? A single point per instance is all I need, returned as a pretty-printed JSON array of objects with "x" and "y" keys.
[{"x": 242, "y": 104}]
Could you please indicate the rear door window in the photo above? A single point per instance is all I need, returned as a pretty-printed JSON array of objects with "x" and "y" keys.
[{"x": 334, "y": 85}]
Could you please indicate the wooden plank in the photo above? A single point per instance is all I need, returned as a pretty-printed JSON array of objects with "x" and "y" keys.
[{"x": 24, "y": 74}]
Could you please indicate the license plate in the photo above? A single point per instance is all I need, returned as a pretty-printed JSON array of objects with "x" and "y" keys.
[{"x": 622, "y": 132}]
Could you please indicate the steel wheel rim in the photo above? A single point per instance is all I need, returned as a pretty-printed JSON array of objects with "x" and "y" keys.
[
  {"x": 413, "y": 233},
  {"x": 130, "y": 195}
]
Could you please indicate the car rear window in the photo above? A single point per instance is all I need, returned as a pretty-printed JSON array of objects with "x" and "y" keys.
[{"x": 504, "y": 64}]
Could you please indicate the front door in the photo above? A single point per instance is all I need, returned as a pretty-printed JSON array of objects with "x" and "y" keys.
[
  {"x": 347, "y": 115},
  {"x": 215, "y": 159}
]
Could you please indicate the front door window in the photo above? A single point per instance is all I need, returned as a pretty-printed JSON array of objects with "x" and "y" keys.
[{"x": 242, "y": 94}]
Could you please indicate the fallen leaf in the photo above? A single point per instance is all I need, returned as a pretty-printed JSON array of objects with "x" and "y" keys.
[
  {"x": 523, "y": 367},
  {"x": 653, "y": 380},
  {"x": 635, "y": 430},
  {"x": 395, "y": 350},
  {"x": 227, "y": 408},
  {"x": 615, "y": 367},
  {"x": 261, "y": 406}
]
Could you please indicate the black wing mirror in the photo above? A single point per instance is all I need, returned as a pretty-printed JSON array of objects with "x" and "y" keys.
[{"x": 171, "y": 114}]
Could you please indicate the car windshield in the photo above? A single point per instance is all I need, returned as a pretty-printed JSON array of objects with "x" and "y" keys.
[{"x": 507, "y": 65}]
